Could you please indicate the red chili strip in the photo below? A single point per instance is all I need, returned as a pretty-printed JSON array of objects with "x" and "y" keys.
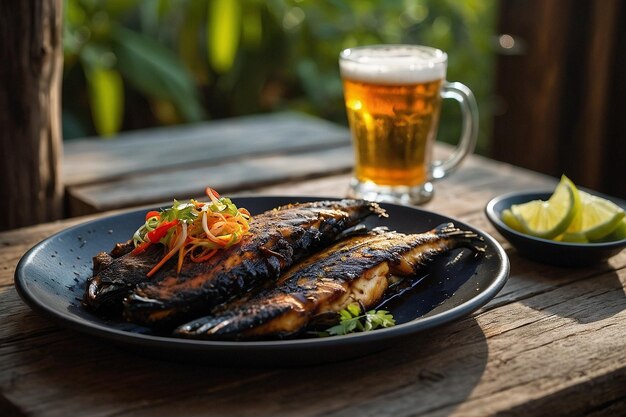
[
  {"x": 158, "y": 233},
  {"x": 141, "y": 248},
  {"x": 152, "y": 214}
]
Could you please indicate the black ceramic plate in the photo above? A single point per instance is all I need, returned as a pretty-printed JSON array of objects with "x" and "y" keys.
[
  {"x": 51, "y": 278},
  {"x": 549, "y": 251}
]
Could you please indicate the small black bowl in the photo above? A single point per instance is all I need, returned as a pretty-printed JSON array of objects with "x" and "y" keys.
[{"x": 544, "y": 250}]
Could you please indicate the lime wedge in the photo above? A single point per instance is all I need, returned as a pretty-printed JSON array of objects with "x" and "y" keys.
[
  {"x": 596, "y": 218},
  {"x": 572, "y": 237},
  {"x": 510, "y": 220},
  {"x": 548, "y": 219},
  {"x": 618, "y": 233}
]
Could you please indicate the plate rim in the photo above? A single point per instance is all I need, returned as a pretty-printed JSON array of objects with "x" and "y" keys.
[{"x": 417, "y": 325}]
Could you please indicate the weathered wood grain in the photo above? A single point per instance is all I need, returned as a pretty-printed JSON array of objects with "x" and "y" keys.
[
  {"x": 551, "y": 343},
  {"x": 553, "y": 116},
  {"x": 319, "y": 149},
  {"x": 226, "y": 177},
  {"x": 199, "y": 145},
  {"x": 31, "y": 53},
  {"x": 456, "y": 370},
  {"x": 179, "y": 162}
]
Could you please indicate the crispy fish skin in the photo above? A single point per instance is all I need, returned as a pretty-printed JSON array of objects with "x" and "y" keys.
[
  {"x": 115, "y": 275},
  {"x": 357, "y": 269},
  {"x": 277, "y": 239}
]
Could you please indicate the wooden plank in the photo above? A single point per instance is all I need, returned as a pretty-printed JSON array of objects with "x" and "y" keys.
[
  {"x": 560, "y": 97},
  {"x": 590, "y": 142},
  {"x": 226, "y": 177},
  {"x": 288, "y": 172},
  {"x": 550, "y": 344},
  {"x": 615, "y": 141},
  {"x": 529, "y": 85},
  {"x": 204, "y": 144}
]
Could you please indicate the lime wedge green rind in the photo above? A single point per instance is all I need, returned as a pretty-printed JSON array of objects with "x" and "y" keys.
[
  {"x": 597, "y": 217},
  {"x": 619, "y": 233},
  {"x": 549, "y": 219}
]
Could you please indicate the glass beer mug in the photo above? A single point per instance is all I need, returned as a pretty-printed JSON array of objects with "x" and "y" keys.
[{"x": 393, "y": 99}]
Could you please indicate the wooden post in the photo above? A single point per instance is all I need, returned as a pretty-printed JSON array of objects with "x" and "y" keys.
[
  {"x": 561, "y": 98},
  {"x": 30, "y": 112}
]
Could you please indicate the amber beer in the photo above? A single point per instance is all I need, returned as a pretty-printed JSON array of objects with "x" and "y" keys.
[
  {"x": 393, "y": 127},
  {"x": 393, "y": 98}
]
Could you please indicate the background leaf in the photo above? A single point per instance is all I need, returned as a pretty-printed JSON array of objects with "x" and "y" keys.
[
  {"x": 106, "y": 96},
  {"x": 223, "y": 33},
  {"x": 155, "y": 70}
]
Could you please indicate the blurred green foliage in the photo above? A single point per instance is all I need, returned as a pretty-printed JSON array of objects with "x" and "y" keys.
[{"x": 140, "y": 63}]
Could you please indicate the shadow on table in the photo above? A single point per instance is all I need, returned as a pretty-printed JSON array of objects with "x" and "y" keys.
[
  {"x": 586, "y": 295},
  {"x": 601, "y": 397},
  {"x": 432, "y": 372}
]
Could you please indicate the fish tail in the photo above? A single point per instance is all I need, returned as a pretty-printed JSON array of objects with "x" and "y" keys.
[
  {"x": 460, "y": 237},
  {"x": 208, "y": 327}
]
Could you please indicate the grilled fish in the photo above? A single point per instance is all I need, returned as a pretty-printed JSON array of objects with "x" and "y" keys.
[
  {"x": 115, "y": 275},
  {"x": 357, "y": 269},
  {"x": 276, "y": 239}
]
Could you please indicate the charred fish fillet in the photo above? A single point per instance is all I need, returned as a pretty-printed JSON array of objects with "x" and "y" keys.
[
  {"x": 358, "y": 269},
  {"x": 115, "y": 274},
  {"x": 276, "y": 240}
]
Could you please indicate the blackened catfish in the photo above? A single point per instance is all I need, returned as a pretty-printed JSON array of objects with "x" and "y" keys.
[
  {"x": 276, "y": 239},
  {"x": 115, "y": 274},
  {"x": 357, "y": 269}
]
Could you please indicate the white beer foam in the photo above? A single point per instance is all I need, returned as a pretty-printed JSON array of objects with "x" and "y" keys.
[{"x": 393, "y": 64}]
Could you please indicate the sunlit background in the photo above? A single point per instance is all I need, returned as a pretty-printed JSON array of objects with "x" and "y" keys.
[{"x": 133, "y": 64}]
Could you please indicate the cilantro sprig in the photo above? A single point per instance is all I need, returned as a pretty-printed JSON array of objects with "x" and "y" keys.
[
  {"x": 183, "y": 212},
  {"x": 354, "y": 319}
]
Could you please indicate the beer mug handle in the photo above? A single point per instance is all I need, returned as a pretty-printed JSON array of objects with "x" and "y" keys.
[{"x": 469, "y": 132}]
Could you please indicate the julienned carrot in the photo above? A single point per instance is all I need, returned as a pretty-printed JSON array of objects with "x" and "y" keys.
[
  {"x": 194, "y": 230},
  {"x": 180, "y": 242}
]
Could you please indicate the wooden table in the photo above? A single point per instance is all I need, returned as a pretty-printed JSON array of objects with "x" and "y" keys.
[{"x": 552, "y": 342}]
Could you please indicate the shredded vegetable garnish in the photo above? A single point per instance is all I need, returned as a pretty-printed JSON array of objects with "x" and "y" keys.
[{"x": 193, "y": 230}]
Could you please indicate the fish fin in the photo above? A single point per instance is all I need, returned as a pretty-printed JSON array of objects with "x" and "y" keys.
[{"x": 467, "y": 238}]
